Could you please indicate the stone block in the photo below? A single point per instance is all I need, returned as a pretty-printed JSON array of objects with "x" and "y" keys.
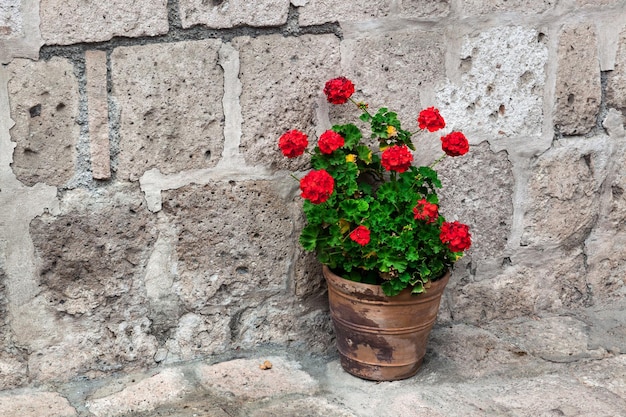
[
  {"x": 561, "y": 206},
  {"x": 284, "y": 377},
  {"x": 393, "y": 70},
  {"x": 596, "y": 2},
  {"x": 232, "y": 13},
  {"x": 502, "y": 78},
  {"x": 91, "y": 261},
  {"x": 170, "y": 100},
  {"x": 282, "y": 89},
  {"x": 424, "y": 8},
  {"x": 44, "y": 105},
  {"x": 235, "y": 241},
  {"x": 35, "y": 404},
  {"x": 534, "y": 282},
  {"x": 166, "y": 387},
  {"x": 65, "y": 22},
  {"x": 578, "y": 90},
  {"x": 316, "y": 12},
  {"x": 479, "y": 7},
  {"x": 97, "y": 102},
  {"x": 478, "y": 191},
  {"x": 616, "y": 79}
]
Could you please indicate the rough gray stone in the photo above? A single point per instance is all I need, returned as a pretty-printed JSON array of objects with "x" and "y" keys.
[
  {"x": 502, "y": 77},
  {"x": 64, "y": 22},
  {"x": 146, "y": 395},
  {"x": 478, "y": 191},
  {"x": 316, "y": 12},
  {"x": 231, "y": 13},
  {"x": 478, "y": 7},
  {"x": 282, "y": 83},
  {"x": 44, "y": 105},
  {"x": 34, "y": 403},
  {"x": 13, "y": 371},
  {"x": 91, "y": 262},
  {"x": 578, "y": 90},
  {"x": 561, "y": 207},
  {"x": 392, "y": 70},
  {"x": 284, "y": 377},
  {"x": 170, "y": 99},
  {"x": 616, "y": 79},
  {"x": 531, "y": 283},
  {"x": 19, "y": 30},
  {"x": 309, "y": 407},
  {"x": 10, "y": 19},
  {"x": 606, "y": 245},
  {"x": 424, "y": 8}
]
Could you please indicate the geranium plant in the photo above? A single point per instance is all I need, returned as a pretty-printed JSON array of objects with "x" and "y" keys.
[{"x": 371, "y": 215}]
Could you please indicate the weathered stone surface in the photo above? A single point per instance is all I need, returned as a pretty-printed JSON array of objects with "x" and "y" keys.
[
  {"x": 166, "y": 387},
  {"x": 475, "y": 7},
  {"x": 596, "y": 2},
  {"x": 424, "y": 8},
  {"x": 32, "y": 404},
  {"x": 478, "y": 191},
  {"x": 65, "y": 22},
  {"x": 95, "y": 63},
  {"x": 315, "y": 12},
  {"x": 92, "y": 259},
  {"x": 19, "y": 30},
  {"x": 309, "y": 279},
  {"x": 230, "y": 13},
  {"x": 502, "y": 76},
  {"x": 531, "y": 283},
  {"x": 282, "y": 80},
  {"x": 309, "y": 407},
  {"x": 13, "y": 371},
  {"x": 561, "y": 207},
  {"x": 606, "y": 245},
  {"x": 578, "y": 90},
  {"x": 616, "y": 79},
  {"x": 392, "y": 70},
  {"x": 44, "y": 105},
  {"x": 234, "y": 240},
  {"x": 10, "y": 19},
  {"x": 170, "y": 99},
  {"x": 284, "y": 377}
]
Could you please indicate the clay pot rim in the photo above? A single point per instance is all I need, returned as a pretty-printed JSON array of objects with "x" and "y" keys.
[{"x": 376, "y": 291}]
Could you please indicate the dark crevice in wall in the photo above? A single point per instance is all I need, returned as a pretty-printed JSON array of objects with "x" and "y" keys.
[{"x": 604, "y": 77}]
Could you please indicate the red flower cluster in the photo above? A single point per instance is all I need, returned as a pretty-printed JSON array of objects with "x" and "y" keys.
[
  {"x": 361, "y": 235},
  {"x": 317, "y": 186},
  {"x": 456, "y": 235},
  {"x": 330, "y": 141},
  {"x": 455, "y": 144},
  {"x": 293, "y": 143},
  {"x": 426, "y": 211},
  {"x": 397, "y": 158},
  {"x": 430, "y": 119},
  {"x": 338, "y": 90}
]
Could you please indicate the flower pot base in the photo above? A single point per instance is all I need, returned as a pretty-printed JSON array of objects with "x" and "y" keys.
[
  {"x": 381, "y": 338},
  {"x": 379, "y": 372}
]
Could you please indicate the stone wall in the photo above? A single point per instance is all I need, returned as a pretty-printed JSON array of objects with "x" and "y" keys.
[{"x": 146, "y": 215}]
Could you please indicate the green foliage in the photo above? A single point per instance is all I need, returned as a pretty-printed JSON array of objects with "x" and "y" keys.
[{"x": 402, "y": 252}]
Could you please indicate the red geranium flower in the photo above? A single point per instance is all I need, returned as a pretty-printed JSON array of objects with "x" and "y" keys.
[
  {"x": 431, "y": 119},
  {"x": 455, "y": 144},
  {"x": 317, "y": 186},
  {"x": 456, "y": 235},
  {"x": 293, "y": 143},
  {"x": 361, "y": 235},
  {"x": 338, "y": 90},
  {"x": 330, "y": 141},
  {"x": 426, "y": 211},
  {"x": 397, "y": 158}
]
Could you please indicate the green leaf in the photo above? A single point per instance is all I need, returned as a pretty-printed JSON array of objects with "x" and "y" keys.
[
  {"x": 351, "y": 134},
  {"x": 418, "y": 288},
  {"x": 308, "y": 237}
]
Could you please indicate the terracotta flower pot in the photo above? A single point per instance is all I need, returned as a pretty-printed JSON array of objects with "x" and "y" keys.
[{"x": 381, "y": 338}]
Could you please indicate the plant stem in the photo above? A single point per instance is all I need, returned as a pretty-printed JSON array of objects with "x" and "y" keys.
[{"x": 438, "y": 160}]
